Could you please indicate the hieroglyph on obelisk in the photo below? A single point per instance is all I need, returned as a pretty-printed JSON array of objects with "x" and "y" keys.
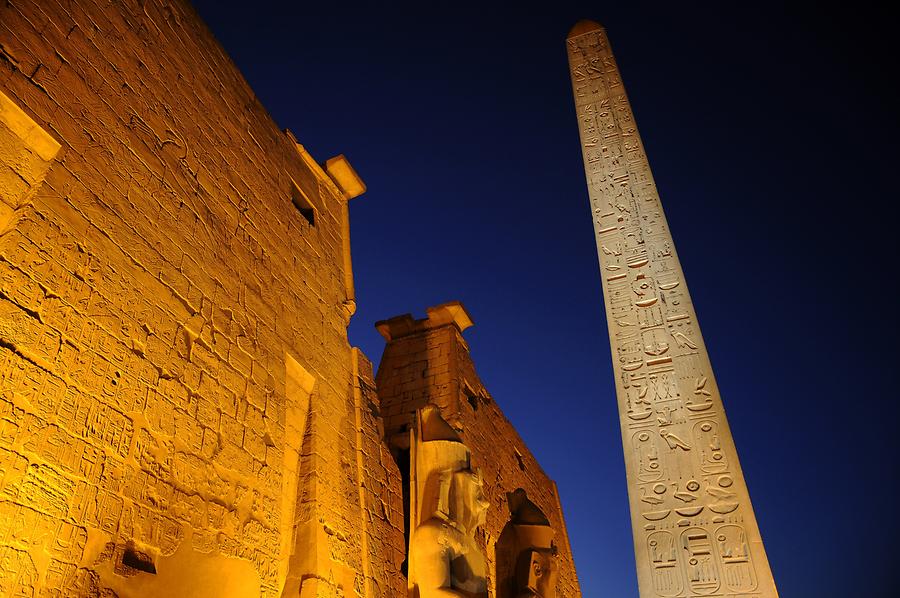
[{"x": 694, "y": 529}]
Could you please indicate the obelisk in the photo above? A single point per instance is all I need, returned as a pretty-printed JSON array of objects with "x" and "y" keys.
[{"x": 694, "y": 529}]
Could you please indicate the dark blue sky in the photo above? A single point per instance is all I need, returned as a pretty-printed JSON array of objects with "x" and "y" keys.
[{"x": 771, "y": 135}]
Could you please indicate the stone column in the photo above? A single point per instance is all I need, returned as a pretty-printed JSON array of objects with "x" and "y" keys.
[{"x": 694, "y": 529}]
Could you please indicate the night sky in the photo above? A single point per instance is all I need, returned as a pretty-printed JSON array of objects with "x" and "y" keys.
[{"x": 771, "y": 132}]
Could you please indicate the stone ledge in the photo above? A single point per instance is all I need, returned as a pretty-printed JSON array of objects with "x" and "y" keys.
[{"x": 345, "y": 177}]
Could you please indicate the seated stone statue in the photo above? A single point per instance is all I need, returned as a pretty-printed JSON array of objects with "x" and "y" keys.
[
  {"x": 447, "y": 506},
  {"x": 448, "y": 560}
]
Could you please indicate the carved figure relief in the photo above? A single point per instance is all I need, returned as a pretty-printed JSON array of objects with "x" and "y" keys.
[{"x": 447, "y": 505}]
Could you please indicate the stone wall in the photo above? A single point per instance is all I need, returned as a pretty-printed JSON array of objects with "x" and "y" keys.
[
  {"x": 381, "y": 497},
  {"x": 428, "y": 361},
  {"x": 180, "y": 410},
  {"x": 179, "y": 413}
]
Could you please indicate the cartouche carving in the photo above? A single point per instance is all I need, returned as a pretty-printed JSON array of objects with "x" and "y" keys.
[{"x": 694, "y": 529}]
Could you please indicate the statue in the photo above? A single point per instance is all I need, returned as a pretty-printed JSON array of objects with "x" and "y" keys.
[
  {"x": 448, "y": 505},
  {"x": 536, "y": 573},
  {"x": 527, "y": 565}
]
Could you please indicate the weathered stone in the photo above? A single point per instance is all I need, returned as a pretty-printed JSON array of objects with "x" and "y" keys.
[
  {"x": 180, "y": 410},
  {"x": 169, "y": 384},
  {"x": 527, "y": 560},
  {"x": 447, "y": 505},
  {"x": 426, "y": 363},
  {"x": 694, "y": 528}
]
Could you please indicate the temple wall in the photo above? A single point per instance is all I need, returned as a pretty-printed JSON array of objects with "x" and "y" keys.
[
  {"x": 382, "y": 499},
  {"x": 176, "y": 386},
  {"x": 181, "y": 413},
  {"x": 428, "y": 361}
]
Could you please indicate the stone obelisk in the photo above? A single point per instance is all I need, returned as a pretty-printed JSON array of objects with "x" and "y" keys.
[{"x": 694, "y": 529}]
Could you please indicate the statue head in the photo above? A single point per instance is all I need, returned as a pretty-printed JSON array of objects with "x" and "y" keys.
[
  {"x": 536, "y": 573},
  {"x": 526, "y": 557}
]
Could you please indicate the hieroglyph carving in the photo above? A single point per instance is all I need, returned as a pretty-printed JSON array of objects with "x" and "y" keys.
[{"x": 694, "y": 529}]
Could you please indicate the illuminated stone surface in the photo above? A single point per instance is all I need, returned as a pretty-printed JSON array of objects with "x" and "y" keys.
[
  {"x": 26, "y": 151},
  {"x": 180, "y": 410},
  {"x": 181, "y": 413},
  {"x": 527, "y": 563},
  {"x": 427, "y": 362},
  {"x": 694, "y": 529},
  {"x": 447, "y": 506}
]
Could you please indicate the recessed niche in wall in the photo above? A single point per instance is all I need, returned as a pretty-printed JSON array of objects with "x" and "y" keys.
[{"x": 303, "y": 204}]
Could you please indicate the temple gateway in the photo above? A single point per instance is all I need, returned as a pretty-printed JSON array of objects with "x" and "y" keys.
[{"x": 181, "y": 413}]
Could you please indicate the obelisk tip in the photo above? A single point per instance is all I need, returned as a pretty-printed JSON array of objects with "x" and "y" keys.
[{"x": 584, "y": 26}]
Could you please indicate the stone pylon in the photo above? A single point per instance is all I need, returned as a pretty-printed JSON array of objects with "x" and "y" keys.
[{"x": 694, "y": 529}]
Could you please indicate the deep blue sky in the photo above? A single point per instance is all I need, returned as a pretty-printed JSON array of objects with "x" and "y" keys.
[{"x": 771, "y": 135}]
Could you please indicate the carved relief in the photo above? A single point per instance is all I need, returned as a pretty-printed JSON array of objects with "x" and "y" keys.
[
  {"x": 701, "y": 398},
  {"x": 663, "y": 552},
  {"x": 709, "y": 447},
  {"x": 679, "y": 458},
  {"x": 647, "y": 457},
  {"x": 656, "y": 341},
  {"x": 701, "y": 569},
  {"x": 737, "y": 565}
]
